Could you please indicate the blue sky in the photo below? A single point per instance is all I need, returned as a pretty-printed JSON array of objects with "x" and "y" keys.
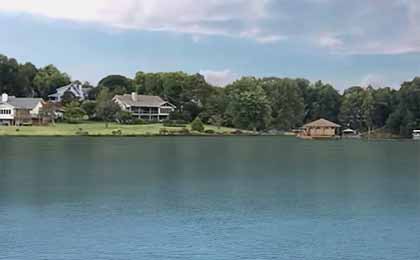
[{"x": 345, "y": 43}]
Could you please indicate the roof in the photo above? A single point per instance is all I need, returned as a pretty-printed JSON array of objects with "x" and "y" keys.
[
  {"x": 75, "y": 88},
  {"x": 23, "y": 103},
  {"x": 140, "y": 100},
  {"x": 348, "y": 130},
  {"x": 322, "y": 123}
]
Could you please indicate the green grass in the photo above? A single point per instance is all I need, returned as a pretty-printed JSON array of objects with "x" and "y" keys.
[{"x": 95, "y": 129}]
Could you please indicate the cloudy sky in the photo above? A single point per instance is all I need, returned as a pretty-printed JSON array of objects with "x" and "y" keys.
[{"x": 342, "y": 42}]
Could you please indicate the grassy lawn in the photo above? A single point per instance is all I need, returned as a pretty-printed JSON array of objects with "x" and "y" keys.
[{"x": 94, "y": 129}]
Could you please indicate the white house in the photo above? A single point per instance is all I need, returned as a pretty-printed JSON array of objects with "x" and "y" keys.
[
  {"x": 75, "y": 88},
  {"x": 18, "y": 111},
  {"x": 145, "y": 107}
]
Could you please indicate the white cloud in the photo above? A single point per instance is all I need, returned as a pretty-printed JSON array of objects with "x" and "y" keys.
[
  {"x": 228, "y": 18},
  {"x": 219, "y": 78},
  {"x": 330, "y": 41},
  {"x": 349, "y": 27},
  {"x": 270, "y": 38}
]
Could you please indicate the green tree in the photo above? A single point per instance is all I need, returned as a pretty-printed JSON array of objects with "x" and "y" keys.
[
  {"x": 406, "y": 116},
  {"x": 286, "y": 102},
  {"x": 68, "y": 97},
  {"x": 117, "y": 84},
  {"x": 48, "y": 79},
  {"x": 124, "y": 117},
  {"x": 73, "y": 113},
  {"x": 9, "y": 73},
  {"x": 48, "y": 112},
  {"x": 197, "y": 125},
  {"x": 321, "y": 101},
  {"x": 216, "y": 120},
  {"x": 249, "y": 107},
  {"x": 386, "y": 102},
  {"x": 106, "y": 109},
  {"x": 368, "y": 108},
  {"x": 23, "y": 86},
  {"x": 351, "y": 114},
  {"x": 90, "y": 108}
]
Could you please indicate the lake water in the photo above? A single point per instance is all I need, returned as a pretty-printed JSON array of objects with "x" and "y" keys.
[{"x": 208, "y": 198}]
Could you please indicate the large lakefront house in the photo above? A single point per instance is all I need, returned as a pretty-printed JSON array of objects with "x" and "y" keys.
[
  {"x": 19, "y": 111},
  {"x": 74, "y": 88},
  {"x": 145, "y": 107}
]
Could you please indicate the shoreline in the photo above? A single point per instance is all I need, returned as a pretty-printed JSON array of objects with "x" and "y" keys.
[
  {"x": 199, "y": 136},
  {"x": 98, "y": 130}
]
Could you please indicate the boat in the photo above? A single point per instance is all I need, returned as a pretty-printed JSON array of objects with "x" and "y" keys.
[
  {"x": 416, "y": 134},
  {"x": 351, "y": 134}
]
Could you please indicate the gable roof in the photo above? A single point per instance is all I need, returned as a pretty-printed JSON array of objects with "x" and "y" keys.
[
  {"x": 23, "y": 103},
  {"x": 73, "y": 87},
  {"x": 349, "y": 130},
  {"x": 140, "y": 100},
  {"x": 321, "y": 123}
]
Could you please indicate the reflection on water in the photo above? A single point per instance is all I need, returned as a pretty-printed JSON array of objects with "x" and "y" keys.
[{"x": 208, "y": 198}]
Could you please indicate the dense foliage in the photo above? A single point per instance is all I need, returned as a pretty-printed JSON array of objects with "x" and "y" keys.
[
  {"x": 249, "y": 103},
  {"x": 197, "y": 125}
]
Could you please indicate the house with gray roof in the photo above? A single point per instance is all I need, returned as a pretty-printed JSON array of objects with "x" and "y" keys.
[
  {"x": 19, "y": 111},
  {"x": 74, "y": 88},
  {"x": 145, "y": 107}
]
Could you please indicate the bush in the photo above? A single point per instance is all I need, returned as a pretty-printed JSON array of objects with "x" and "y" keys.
[
  {"x": 173, "y": 124},
  {"x": 163, "y": 131},
  {"x": 90, "y": 108},
  {"x": 210, "y": 132},
  {"x": 124, "y": 117},
  {"x": 139, "y": 122},
  {"x": 117, "y": 132},
  {"x": 197, "y": 125},
  {"x": 73, "y": 114},
  {"x": 176, "y": 121},
  {"x": 81, "y": 132},
  {"x": 237, "y": 132},
  {"x": 184, "y": 131}
]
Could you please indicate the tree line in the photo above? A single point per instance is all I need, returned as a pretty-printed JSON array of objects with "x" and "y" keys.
[{"x": 248, "y": 103}]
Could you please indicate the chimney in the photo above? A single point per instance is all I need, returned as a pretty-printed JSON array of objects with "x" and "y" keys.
[
  {"x": 4, "y": 98},
  {"x": 134, "y": 96}
]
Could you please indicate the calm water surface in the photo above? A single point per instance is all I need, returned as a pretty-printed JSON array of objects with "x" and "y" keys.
[{"x": 208, "y": 198}]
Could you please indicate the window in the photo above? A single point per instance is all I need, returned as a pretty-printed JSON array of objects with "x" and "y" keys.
[
  {"x": 5, "y": 111},
  {"x": 165, "y": 110}
]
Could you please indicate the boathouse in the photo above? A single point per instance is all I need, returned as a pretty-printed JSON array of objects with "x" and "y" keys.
[{"x": 321, "y": 128}]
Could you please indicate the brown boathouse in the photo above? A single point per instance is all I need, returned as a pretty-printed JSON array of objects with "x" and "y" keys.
[{"x": 321, "y": 128}]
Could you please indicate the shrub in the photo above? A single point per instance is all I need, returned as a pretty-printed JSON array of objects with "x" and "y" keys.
[
  {"x": 237, "y": 132},
  {"x": 180, "y": 122},
  {"x": 197, "y": 125},
  {"x": 173, "y": 124},
  {"x": 90, "y": 108},
  {"x": 139, "y": 122},
  {"x": 124, "y": 117},
  {"x": 184, "y": 131},
  {"x": 210, "y": 132},
  {"x": 81, "y": 132},
  {"x": 173, "y": 132},
  {"x": 163, "y": 131},
  {"x": 117, "y": 132},
  {"x": 73, "y": 114},
  {"x": 216, "y": 120}
]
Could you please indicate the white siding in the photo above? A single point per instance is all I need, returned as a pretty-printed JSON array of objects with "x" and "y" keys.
[
  {"x": 35, "y": 112},
  {"x": 10, "y": 116}
]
